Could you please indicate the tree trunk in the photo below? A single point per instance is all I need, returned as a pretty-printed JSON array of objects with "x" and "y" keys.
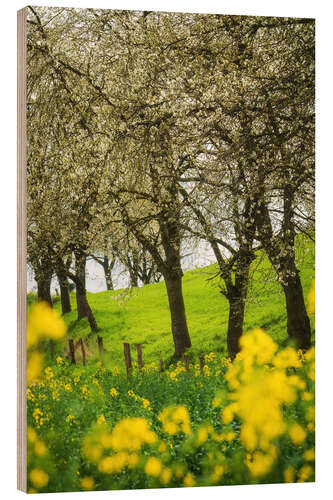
[
  {"x": 83, "y": 307},
  {"x": 44, "y": 290},
  {"x": 179, "y": 328},
  {"x": 235, "y": 324},
  {"x": 71, "y": 351},
  {"x": 298, "y": 323},
  {"x": 108, "y": 277},
  {"x": 64, "y": 293},
  {"x": 236, "y": 295}
]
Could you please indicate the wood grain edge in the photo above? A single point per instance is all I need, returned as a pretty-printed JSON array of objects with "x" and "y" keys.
[{"x": 21, "y": 252}]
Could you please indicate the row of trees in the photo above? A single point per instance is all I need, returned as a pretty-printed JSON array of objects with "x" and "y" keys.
[{"x": 146, "y": 130}]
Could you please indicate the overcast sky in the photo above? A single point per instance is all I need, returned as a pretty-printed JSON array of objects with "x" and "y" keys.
[{"x": 200, "y": 257}]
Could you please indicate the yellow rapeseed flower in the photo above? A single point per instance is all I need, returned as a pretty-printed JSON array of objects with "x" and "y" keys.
[
  {"x": 287, "y": 358},
  {"x": 34, "y": 366},
  {"x": 40, "y": 448},
  {"x": 162, "y": 447},
  {"x": 92, "y": 451},
  {"x": 310, "y": 354},
  {"x": 175, "y": 419},
  {"x": 309, "y": 455},
  {"x": 217, "y": 401},
  {"x": 189, "y": 480},
  {"x": 87, "y": 483},
  {"x": 39, "y": 478},
  {"x": 131, "y": 434},
  {"x": 44, "y": 322},
  {"x": 202, "y": 436},
  {"x": 153, "y": 467},
  {"x": 217, "y": 473},
  {"x": 133, "y": 459},
  {"x": 257, "y": 345},
  {"x": 289, "y": 475},
  {"x": 305, "y": 473},
  {"x": 145, "y": 403},
  {"x": 297, "y": 434},
  {"x": 261, "y": 463},
  {"x": 166, "y": 475},
  {"x": 31, "y": 435},
  {"x": 307, "y": 396},
  {"x": 113, "y": 464},
  {"x": 229, "y": 436}
]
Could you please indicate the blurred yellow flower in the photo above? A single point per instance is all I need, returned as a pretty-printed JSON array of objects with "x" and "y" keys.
[
  {"x": 44, "y": 322},
  {"x": 153, "y": 467},
  {"x": 162, "y": 447},
  {"x": 175, "y": 419},
  {"x": 189, "y": 480},
  {"x": 39, "y": 478},
  {"x": 70, "y": 419},
  {"x": 261, "y": 463},
  {"x": 287, "y": 358},
  {"x": 87, "y": 483},
  {"x": 92, "y": 452},
  {"x": 305, "y": 473},
  {"x": 289, "y": 475},
  {"x": 309, "y": 455},
  {"x": 297, "y": 434},
  {"x": 166, "y": 475},
  {"x": 217, "y": 473},
  {"x": 257, "y": 345},
  {"x": 31, "y": 435},
  {"x": 40, "y": 448},
  {"x": 202, "y": 436},
  {"x": 131, "y": 434},
  {"x": 101, "y": 420},
  {"x": 34, "y": 366}
]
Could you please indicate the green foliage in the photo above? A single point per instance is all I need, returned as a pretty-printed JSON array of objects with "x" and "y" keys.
[{"x": 75, "y": 415}]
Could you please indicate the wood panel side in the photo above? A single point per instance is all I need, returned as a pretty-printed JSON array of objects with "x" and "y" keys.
[{"x": 21, "y": 252}]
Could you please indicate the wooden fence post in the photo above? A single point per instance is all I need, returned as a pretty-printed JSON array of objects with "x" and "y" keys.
[
  {"x": 139, "y": 351},
  {"x": 52, "y": 349},
  {"x": 201, "y": 362},
  {"x": 187, "y": 362},
  {"x": 100, "y": 345},
  {"x": 83, "y": 351},
  {"x": 161, "y": 366},
  {"x": 71, "y": 351},
  {"x": 128, "y": 360}
]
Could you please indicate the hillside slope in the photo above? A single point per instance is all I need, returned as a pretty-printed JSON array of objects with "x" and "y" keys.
[{"x": 141, "y": 315}]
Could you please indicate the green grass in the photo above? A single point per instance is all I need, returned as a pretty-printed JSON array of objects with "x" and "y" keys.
[{"x": 141, "y": 315}]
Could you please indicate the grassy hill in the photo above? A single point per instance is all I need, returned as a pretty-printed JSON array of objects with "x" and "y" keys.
[{"x": 141, "y": 315}]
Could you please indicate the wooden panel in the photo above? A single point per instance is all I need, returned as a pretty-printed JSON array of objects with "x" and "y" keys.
[{"x": 21, "y": 253}]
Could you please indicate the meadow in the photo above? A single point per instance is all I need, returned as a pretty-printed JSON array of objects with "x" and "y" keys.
[
  {"x": 247, "y": 422},
  {"x": 141, "y": 315}
]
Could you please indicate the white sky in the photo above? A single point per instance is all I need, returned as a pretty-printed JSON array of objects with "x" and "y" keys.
[{"x": 95, "y": 281}]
